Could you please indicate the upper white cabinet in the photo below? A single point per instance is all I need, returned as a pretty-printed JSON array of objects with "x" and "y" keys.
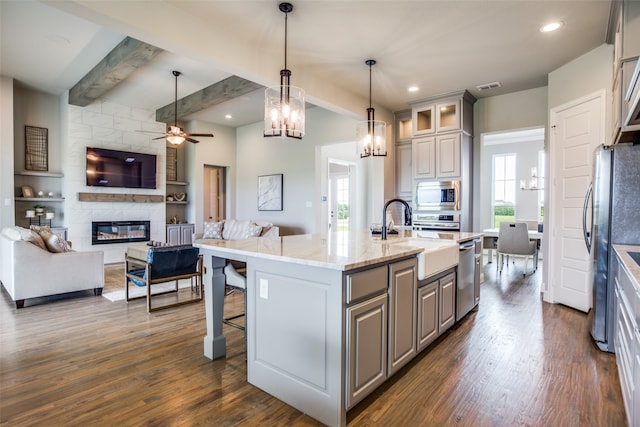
[
  {"x": 423, "y": 119},
  {"x": 440, "y": 149},
  {"x": 448, "y": 116},
  {"x": 424, "y": 157},
  {"x": 452, "y": 112},
  {"x": 448, "y": 155},
  {"x": 404, "y": 128},
  {"x": 404, "y": 177},
  {"x": 624, "y": 33}
]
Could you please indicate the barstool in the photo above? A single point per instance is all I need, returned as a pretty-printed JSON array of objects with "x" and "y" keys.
[{"x": 237, "y": 281}]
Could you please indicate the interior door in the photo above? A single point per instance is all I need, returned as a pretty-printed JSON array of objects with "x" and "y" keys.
[
  {"x": 213, "y": 193},
  {"x": 341, "y": 196},
  {"x": 576, "y": 130}
]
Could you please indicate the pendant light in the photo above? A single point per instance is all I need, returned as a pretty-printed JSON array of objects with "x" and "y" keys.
[
  {"x": 371, "y": 134},
  {"x": 284, "y": 104}
]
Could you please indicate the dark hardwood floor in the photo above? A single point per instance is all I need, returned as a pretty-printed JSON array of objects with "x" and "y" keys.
[{"x": 83, "y": 360}]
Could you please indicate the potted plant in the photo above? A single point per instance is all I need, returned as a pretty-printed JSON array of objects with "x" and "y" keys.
[{"x": 39, "y": 209}]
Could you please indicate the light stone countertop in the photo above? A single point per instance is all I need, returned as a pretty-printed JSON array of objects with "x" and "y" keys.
[
  {"x": 339, "y": 250},
  {"x": 629, "y": 263}
]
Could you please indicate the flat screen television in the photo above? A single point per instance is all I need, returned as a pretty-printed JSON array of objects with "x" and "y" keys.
[{"x": 114, "y": 168}]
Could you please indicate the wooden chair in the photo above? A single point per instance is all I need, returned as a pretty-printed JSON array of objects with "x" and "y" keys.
[
  {"x": 165, "y": 264},
  {"x": 513, "y": 239}
]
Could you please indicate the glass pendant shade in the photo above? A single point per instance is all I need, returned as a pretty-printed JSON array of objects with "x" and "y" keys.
[
  {"x": 175, "y": 140},
  {"x": 284, "y": 111},
  {"x": 371, "y": 134},
  {"x": 284, "y": 114}
]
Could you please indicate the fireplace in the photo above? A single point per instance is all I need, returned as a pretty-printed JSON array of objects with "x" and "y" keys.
[{"x": 106, "y": 232}]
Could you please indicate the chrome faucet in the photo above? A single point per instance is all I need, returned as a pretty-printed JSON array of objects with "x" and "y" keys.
[{"x": 407, "y": 215}]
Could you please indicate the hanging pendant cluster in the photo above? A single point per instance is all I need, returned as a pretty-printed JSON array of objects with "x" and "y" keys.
[
  {"x": 284, "y": 109},
  {"x": 371, "y": 135}
]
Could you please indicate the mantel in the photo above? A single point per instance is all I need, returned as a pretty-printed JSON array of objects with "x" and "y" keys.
[{"x": 118, "y": 197}]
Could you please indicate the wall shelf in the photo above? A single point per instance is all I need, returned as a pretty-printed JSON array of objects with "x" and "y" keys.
[
  {"x": 39, "y": 199},
  {"x": 180, "y": 183},
  {"x": 40, "y": 173},
  {"x": 122, "y": 198},
  {"x": 177, "y": 203}
]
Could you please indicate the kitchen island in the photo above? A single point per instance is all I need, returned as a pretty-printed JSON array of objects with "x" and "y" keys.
[{"x": 329, "y": 317}]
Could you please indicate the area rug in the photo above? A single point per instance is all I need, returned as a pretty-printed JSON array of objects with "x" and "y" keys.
[{"x": 140, "y": 291}]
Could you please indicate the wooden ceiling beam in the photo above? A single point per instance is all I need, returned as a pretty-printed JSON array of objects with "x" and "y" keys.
[
  {"x": 217, "y": 93},
  {"x": 129, "y": 55}
]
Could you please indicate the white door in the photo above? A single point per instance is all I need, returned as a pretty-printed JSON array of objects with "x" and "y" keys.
[
  {"x": 213, "y": 193},
  {"x": 577, "y": 129},
  {"x": 341, "y": 196}
]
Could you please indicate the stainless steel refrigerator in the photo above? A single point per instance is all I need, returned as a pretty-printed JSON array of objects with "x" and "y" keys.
[{"x": 615, "y": 219}]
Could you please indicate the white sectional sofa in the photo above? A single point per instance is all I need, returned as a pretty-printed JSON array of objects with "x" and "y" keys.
[{"x": 30, "y": 271}]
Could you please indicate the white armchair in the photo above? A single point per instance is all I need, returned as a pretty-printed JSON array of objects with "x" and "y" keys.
[
  {"x": 30, "y": 272},
  {"x": 513, "y": 239}
]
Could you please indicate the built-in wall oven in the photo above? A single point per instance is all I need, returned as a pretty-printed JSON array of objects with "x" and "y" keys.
[
  {"x": 437, "y": 196},
  {"x": 436, "y": 221}
]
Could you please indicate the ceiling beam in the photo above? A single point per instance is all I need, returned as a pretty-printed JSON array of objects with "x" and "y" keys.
[
  {"x": 217, "y": 93},
  {"x": 129, "y": 55}
]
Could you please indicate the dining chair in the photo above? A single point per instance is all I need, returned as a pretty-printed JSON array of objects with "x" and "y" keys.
[{"x": 513, "y": 239}]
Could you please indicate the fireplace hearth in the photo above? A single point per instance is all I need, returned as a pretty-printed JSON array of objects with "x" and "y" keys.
[{"x": 108, "y": 232}]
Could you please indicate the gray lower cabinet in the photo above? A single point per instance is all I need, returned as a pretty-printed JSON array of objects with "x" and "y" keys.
[
  {"x": 366, "y": 348},
  {"x": 180, "y": 234},
  {"x": 627, "y": 345},
  {"x": 447, "y": 288},
  {"x": 402, "y": 313},
  {"x": 428, "y": 297},
  {"x": 436, "y": 307}
]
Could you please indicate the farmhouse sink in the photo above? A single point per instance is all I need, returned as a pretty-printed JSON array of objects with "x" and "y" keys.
[{"x": 436, "y": 256}]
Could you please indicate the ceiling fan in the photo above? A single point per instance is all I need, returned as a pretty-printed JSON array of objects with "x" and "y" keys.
[{"x": 175, "y": 135}]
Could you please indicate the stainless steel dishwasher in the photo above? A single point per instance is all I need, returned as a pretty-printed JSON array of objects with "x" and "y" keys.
[{"x": 465, "y": 290}]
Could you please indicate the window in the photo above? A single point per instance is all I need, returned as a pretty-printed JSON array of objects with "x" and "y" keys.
[
  {"x": 504, "y": 188},
  {"x": 343, "y": 203}
]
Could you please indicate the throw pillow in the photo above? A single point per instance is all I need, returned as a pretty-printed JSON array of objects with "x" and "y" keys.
[
  {"x": 234, "y": 230},
  {"x": 32, "y": 237},
  {"x": 54, "y": 243},
  {"x": 253, "y": 230},
  {"x": 213, "y": 230}
]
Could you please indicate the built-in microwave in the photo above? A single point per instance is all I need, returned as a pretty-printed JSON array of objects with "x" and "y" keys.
[{"x": 437, "y": 195}]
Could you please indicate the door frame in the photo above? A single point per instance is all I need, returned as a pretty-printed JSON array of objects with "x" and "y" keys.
[{"x": 351, "y": 173}]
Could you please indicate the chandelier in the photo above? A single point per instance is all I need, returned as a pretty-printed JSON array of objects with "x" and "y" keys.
[
  {"x": 284, "y": 104},
  {"x": 371, "y": 134}
]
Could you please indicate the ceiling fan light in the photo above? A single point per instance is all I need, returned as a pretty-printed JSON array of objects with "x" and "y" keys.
[{"x": 175, "y": 139}]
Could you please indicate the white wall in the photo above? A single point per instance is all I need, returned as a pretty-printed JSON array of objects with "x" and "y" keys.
[
  {"x": 217, "y": 151},
  {"x": 108, "y": 125},
  {"x": 518, "y": 110},
  {"x": 302, "y": 165},
  {"x": 587, "y": 74},
  {"x": 7, "y": 192}
]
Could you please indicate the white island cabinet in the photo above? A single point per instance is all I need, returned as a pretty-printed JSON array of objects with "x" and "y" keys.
[
  {"x": 317, "y": 315},
  {"x": 330, "y": 317}
]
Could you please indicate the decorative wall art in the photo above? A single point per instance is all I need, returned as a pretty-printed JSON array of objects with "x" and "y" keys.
[
  {"x": 36, "y": 148},
  {"x": 27, "y": 191},
  {"x": 270, "y": 192},
  {"x": 172, "y": 164}
]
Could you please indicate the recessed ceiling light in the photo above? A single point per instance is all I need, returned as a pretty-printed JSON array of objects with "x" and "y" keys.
[
  {"x": 551, "y": 27},
  {"x": 228, "y": 116},
  {"x": 413, "y": 88}
]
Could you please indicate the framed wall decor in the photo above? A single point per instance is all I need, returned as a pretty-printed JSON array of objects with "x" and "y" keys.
[
  {"x": 36, "y": 148},
  {"x": 270, "y": 192},
  {"x": 27, "y": 191}
]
